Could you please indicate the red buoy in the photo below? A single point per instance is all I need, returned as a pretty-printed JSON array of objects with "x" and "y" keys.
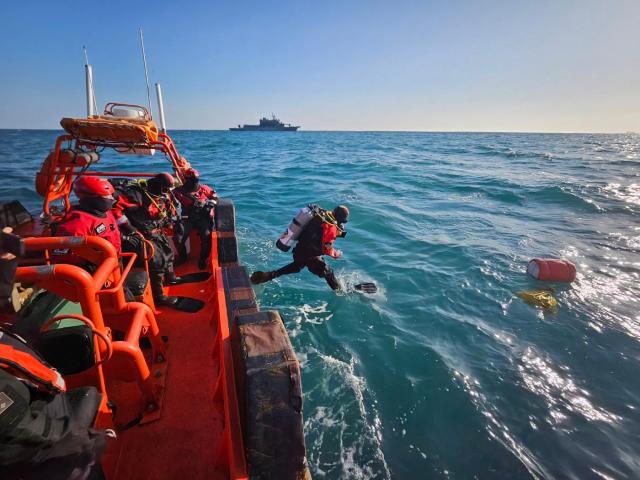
[{"x": 552, "y": 269}]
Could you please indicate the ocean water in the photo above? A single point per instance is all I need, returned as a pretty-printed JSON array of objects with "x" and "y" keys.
[{"x": 444, "y": 373}]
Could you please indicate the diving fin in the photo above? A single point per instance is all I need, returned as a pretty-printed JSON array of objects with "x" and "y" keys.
[
  {"x": 189, "y": 305},
  {"x": 367, "y": 287},
  {"x": 261, "y": 277},
  {"x": 191, "y": 278}
]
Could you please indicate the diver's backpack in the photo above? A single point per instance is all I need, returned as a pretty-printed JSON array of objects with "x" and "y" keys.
[{"x": 297, "y": 226}]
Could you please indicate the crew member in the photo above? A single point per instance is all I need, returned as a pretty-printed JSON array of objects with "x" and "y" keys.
[
  {"x": 315, "y": 241},
  {"x": 92, "y": 216},
  {"x": 145, "y": 208},
  {"x": 198, "y": 202},
  {"x": 41, "y": 433}
]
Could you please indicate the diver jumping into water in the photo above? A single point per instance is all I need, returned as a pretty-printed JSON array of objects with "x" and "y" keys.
[{"x": 315, "y": 229}]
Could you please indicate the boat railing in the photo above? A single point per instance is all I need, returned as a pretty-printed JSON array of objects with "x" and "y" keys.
[
  {"x": 143, "y": 113},
  {"x": 107, "y": 310},
  {"x": 59, "y": 175}
]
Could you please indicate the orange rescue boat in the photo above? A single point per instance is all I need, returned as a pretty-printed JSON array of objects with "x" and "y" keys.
[{"x": 212, "y": 394}]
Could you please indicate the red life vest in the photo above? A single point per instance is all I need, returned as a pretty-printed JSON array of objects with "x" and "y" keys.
[
  {"x": 202, "y": 194},
  {"x": 329, "y": 235},
  {"x": 16, "y": 359},
  {"x": 78, "y": 223}
]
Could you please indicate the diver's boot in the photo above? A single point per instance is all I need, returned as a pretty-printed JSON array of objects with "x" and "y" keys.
[
  {"x": 182, "y": 254},
  {"x": 170, "y": 278},
  {"x": 202, "y": 263},
  {"x": 261, "y": 277},
  {"x": 159, "y": 297}
]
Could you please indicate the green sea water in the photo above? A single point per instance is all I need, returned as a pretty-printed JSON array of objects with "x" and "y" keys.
[{"x": 444, "y": 373}]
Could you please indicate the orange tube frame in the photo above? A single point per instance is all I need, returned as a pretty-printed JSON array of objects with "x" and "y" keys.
[
  {"x": 164, "y": 144},
  {"x": 88, "y": 290}
]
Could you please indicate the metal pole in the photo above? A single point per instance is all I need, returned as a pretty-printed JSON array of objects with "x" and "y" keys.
[
  {"x": 89, "y": 91},
  {"x": 163, "y": 125},
  {"x": 90, "y": 82},
  {"x": 146, "y": 74}
]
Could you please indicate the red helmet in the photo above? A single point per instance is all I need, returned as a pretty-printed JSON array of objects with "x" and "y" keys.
[
  {"x": 191, "y": 173},
  {"x": 92, "y": 186}
]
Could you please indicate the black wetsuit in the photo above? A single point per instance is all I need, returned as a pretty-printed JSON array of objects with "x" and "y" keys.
[
  {"x": 308, "y": 253},
  {"x": 140, "y": 210}
]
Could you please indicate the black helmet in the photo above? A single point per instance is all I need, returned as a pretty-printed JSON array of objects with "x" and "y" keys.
[
  {"x": 161, "y": 183},
  {"x": 341, "y": 212}
]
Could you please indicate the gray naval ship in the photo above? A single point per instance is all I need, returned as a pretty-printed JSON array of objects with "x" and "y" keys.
[{"x": 267, "y": 125}]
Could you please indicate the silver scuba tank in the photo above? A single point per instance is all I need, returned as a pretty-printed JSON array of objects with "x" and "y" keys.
[{"x": 296, "y": 227}]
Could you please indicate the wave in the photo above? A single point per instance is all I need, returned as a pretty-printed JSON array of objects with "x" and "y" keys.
[
  {"x": 565, "y": 196},
  {"x": 348, "y": 419},
  {"x": 509, "y": 152}
]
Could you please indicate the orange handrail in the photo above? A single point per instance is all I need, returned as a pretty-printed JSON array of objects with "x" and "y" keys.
[
  {"x": 58, "y": 278},
  {"x": 133, "y": 317},
  {"x": 62, "y": 175},
  {"x": 123, "y": 276}
]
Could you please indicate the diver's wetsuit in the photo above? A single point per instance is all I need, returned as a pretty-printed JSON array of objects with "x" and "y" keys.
[
  {"x": 149, "y": 215},
  {"x": 315, "y": 241},
  {"x": 197, "y": 202}
]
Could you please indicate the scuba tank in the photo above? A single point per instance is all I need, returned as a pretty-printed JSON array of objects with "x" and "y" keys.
[{"x": 296, "y": 227}]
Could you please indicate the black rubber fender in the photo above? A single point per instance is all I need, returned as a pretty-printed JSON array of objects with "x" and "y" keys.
[
  {"x": 225, "y": 215},
  {"x": 227, "y": 250},
  {"x": 269, "y": 389}
]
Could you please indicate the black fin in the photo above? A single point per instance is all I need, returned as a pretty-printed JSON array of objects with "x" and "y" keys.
[
  {"x": 367, "y": 287},
  {"x": 191, "y": 278},
  {"x": 260, "y": 277},
  {"x": 189, "y": 305}
]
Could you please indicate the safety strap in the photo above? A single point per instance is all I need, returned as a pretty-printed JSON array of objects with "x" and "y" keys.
[{"x": 326, "y": 216}]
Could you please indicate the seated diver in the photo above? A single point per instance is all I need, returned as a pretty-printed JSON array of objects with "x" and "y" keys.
[
  {"x": 198, "y": 202},
  {"x": 145, "y": 208},
  {"x": 94, "y": 216},
  {"x": 45, "y": 430}
]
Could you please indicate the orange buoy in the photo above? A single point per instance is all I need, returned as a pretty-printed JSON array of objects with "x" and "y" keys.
[{"x": 552, "y": 269}]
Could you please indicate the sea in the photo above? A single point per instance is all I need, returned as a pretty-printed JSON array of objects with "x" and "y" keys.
[{"x": 444, "y": 373}]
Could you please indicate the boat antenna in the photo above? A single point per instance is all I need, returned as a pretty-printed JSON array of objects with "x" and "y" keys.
[
  {"x": 91, "y": 94},
  {"x": 146, "y": 73},
  {"x": 163, "y": 125}
]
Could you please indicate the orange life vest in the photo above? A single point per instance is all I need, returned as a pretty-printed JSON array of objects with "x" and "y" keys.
[
  {"x": 81, "y": 223},
  {"x": 24, "y": 365},
  {"x": 329, "y": 235},
  {"x": 187, "y": 199}
]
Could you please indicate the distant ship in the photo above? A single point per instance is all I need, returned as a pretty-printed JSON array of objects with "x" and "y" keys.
[{"x": 267, "y": 125}]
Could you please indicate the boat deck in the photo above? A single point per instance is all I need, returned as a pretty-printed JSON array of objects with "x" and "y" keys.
[{"x": 183, "y": 442}]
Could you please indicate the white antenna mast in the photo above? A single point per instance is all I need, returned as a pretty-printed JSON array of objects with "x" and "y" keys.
[
  {"x": 163, "y": 125},
  {"x": 146, "y": 74},
  {"x": 92, "y": 107}
]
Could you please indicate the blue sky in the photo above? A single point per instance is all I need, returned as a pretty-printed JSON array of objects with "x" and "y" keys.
[{"x": 541, "y": 65}]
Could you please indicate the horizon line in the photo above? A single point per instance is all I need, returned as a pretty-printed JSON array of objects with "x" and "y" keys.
[{"x": 372, "y": 131}]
